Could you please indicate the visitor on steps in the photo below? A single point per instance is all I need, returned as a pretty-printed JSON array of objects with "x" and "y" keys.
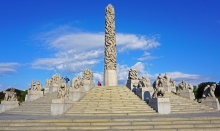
[{"x": 99, "y": 83}]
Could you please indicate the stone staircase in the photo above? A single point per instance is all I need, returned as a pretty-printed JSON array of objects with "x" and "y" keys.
[
  {"x": 110, "y": 101},
  {"x": 109, "y": 124},
  {"x": 183, "y": 105},
  {"x": 40, "y": 106}
]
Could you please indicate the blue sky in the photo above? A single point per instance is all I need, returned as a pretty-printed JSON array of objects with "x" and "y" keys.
[{"x": 39, "y": 38}]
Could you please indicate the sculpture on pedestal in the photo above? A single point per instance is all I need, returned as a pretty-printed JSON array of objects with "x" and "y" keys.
[
  {"x": 56, "y": 79},
  {"x": 110, "y": 73},
  {"x": 184, "y": 86},
  {"x": 63, "y": 91},
  {"x": 144, "y": 82},
  {"x": 133, "y": 74},
  {"x": 36, "y": 86},
  {"x": 209, "y": 91},
  {"x": 10, "y": 95},
  {"x": 159, "y": 87},
  {"x": 87, "y": 74},
  {"x": 77, "y": 82}
]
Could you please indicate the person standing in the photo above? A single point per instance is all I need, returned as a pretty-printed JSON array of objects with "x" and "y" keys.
[{"x": 99, "y": 83}]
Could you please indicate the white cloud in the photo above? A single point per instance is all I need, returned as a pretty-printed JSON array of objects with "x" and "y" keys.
[
  {"x": 135, "y": 42},
  {"x": 75, "y": 51},
  {"x": 147, "y": 56},
  {"x": 8, "y": 67}
]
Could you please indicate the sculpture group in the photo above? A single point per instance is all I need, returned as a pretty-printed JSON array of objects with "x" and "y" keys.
[{"x": 10, "y": 95}]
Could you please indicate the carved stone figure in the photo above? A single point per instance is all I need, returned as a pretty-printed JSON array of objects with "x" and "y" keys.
[
  {"x": 209, "y": 91},
  {"x": 77, "y": 82},
  {"x": 110, "y": 41},
  {"x": 159, "y": 82},
  {"x": 144, "y": 82},
  {"x": 63, "y": 91},
  {"x": 133, "y": 74},
  {"x": 87, "y": 74},
  {"x": 56, "y": 79},
  {"x": 172, "y": 83},
  {"x": 182, "y": 85},
  {"x": 166, "y": 79},
  {"x": 36, "y": 86},
  {"x": 159, "y": 90},
  {"x": 10, "y": 95}
]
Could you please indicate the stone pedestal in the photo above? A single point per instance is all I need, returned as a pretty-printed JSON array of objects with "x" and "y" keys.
[
  {"x": 211, "y": 101},
  {"x": 7, "y": 105},
  {"x": 161, "y": 105},
  {"x": 145, "y": 93},
  {"x": 187, "y": 94},
  {"x": 53, "y": 88},
  {"x": 46, "y": 90},
  {"x": 76, "y": 94},
  {"x": 60, "y": 106},
  {"x": 110, "y": 78},
  {"x": 33, "y": 95},
  {"x": 167, "y": 88},
  {"x": 132, "y": 84},
  {"x": 173, "y": 89},
  {"x": 88, "y": 85}
]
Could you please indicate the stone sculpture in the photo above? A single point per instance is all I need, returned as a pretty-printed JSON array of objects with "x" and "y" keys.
[
  {"x": 144, "y": 82},
  {"x": 110, "y": 73},
  {"x": 172, "y": 83},
  {"x": 209, "y": 91},
  {"x": 87, "y": 74},
  {"x": 56, "y": 79},
  {"x": 10, "y": 95},
  {"x": 159, "y": 90},
  {"x": 133, "y": 74},
  {"x": 110, "y": 41},
  {"x": 36, "y": 86},
  {"x": 63, "y": 91},
  {"x": 77, "y": 82},
  {"x": 184, "y": 86}
]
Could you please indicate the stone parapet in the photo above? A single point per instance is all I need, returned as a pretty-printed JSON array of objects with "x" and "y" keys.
[
  {"x": 7, "y": 105},
  {"x": 33, "y": 95},
  {"x": 132, "y": 84},
  {"x": 60, "y": 106},
  {"x": 211, "y": 101},
  {"x": 145, "y": 93}
]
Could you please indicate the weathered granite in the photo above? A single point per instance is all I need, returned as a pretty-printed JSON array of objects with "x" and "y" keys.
[
  {"x": 211, "y": 101},
  {"x": 187, "y": 94},
  {"x": 10, "y": 95},
  {"x": 88, "y": 85},
  {"x": 161, "y": 105},
  {"x": 110, "y": 72},
  {"x": 63, "y": 91},
  {"x": 60, "y": 106},
  {"x": 33, "y": 95},
  {"x": 145, "y": 93},
  {"x": 132, "y": 84},
  {"x": 7, "y": 105}
]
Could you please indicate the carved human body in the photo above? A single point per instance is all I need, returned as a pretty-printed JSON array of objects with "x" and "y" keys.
[
  {"x": 77, "y": 82},
  {"x": 36, "y": 86},
  {"x": 133, "y": 74},
  {"x": 87, "y": 75},
  {"x": 209, "y": 91},
  {"x": 10, "y": 95},
  {"x": 159, "y": 87},
  {"x": 63, "y": 91},
  {"x": 144, "y": 82}
]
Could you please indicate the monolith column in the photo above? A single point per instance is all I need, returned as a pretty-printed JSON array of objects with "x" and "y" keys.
[{"x": 110, "y": 73}]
